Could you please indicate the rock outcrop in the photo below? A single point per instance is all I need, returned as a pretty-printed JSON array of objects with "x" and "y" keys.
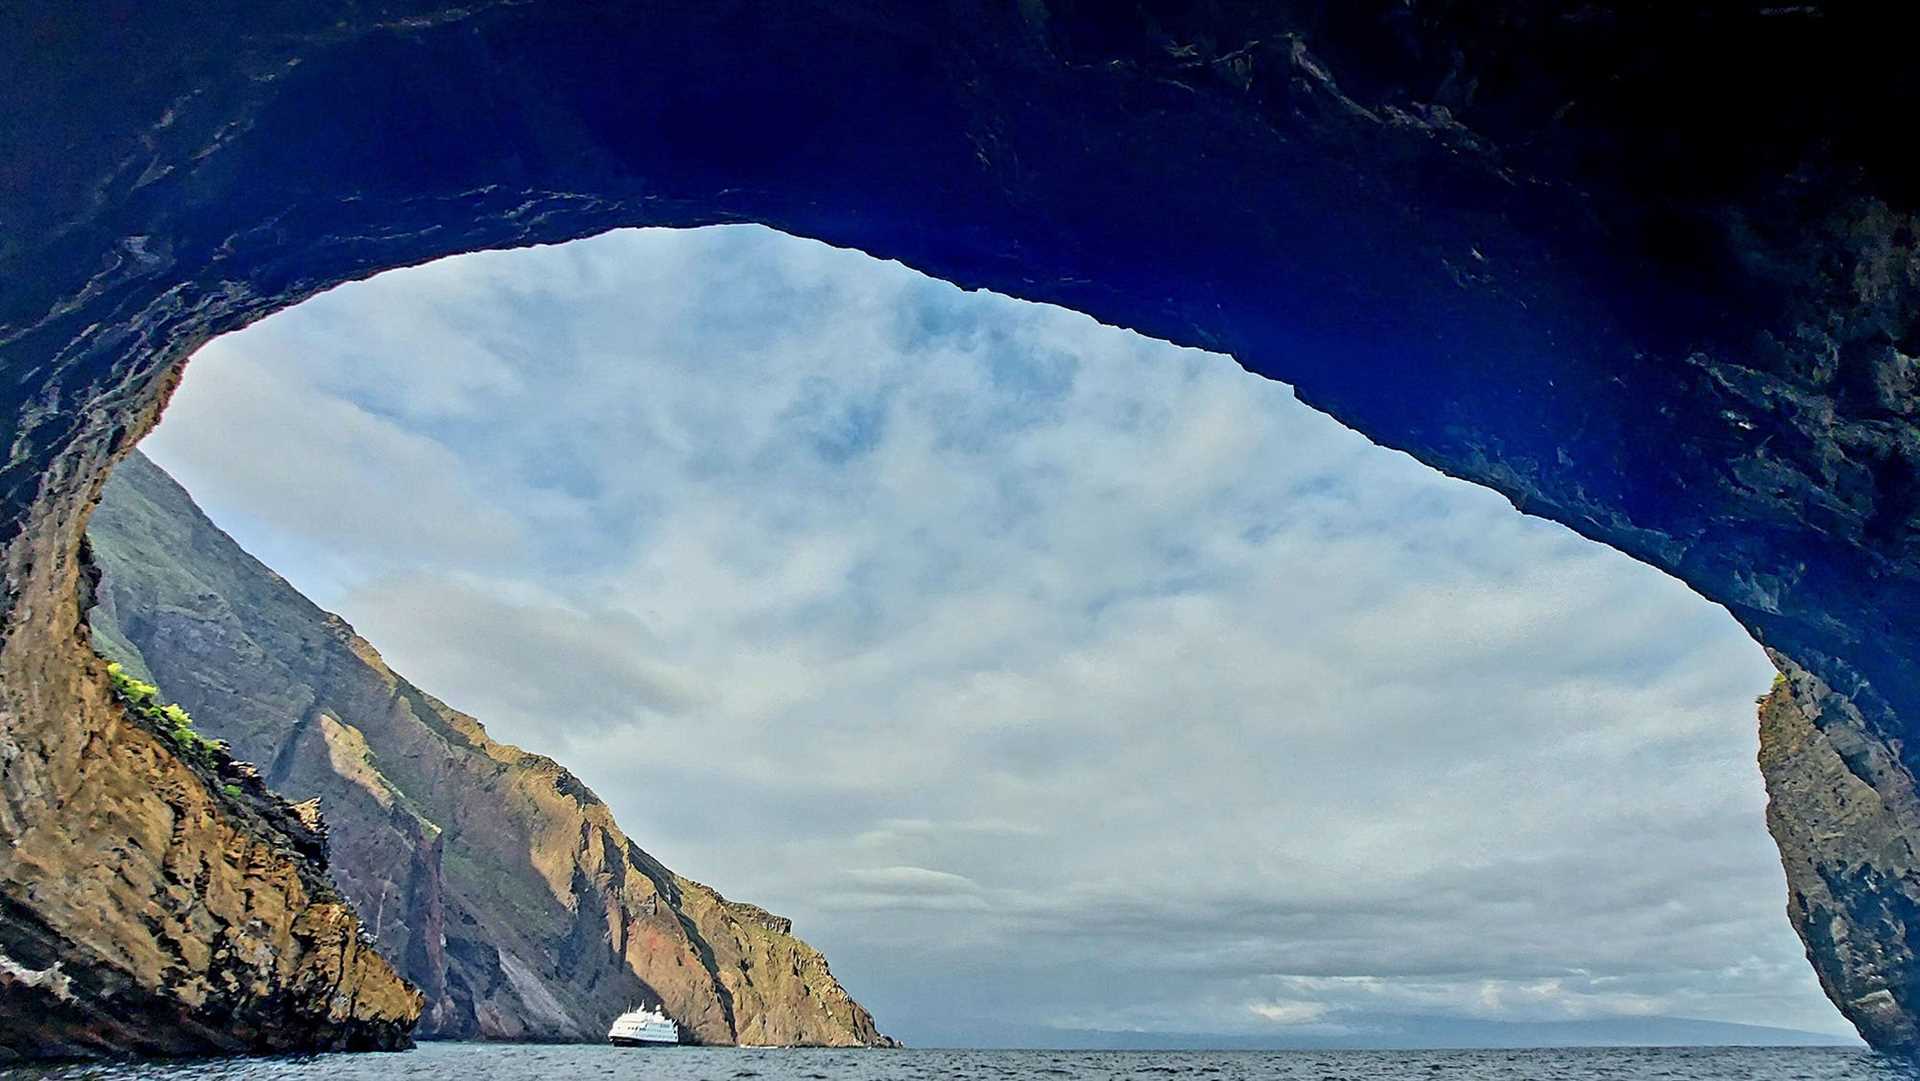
[
  {"x": 1649, "y": 270},
  {"x": 159, "y": 902},
  {"x": 156, "y": 908},
  {"x": 493, "y": 878},
  {"x": 1845, "y": 814}
]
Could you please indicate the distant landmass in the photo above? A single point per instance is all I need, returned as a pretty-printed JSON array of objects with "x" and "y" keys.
[
  {"x": 492, "y": 878},
  {"x": 1398, "y": 1032}
]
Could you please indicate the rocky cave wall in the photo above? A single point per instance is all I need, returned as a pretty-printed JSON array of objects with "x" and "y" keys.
[{"x": 1646, "y": 269}]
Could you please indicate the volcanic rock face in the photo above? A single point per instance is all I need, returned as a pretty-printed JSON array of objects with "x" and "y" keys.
[
  {"x": 493, "y": 878},
  {"x": 155, "y": 905},
  {"x": 1845, "y": 814},
  {"x": 164, "y": 906},
  {"x": 1649, "y": 270},
  {"x": 160, "y": 909}
]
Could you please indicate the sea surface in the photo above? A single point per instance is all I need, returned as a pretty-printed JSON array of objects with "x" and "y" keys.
[{"x": 480, "y": 1062}]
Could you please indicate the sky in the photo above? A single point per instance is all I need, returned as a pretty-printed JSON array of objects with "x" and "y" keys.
[{"x": 1045, "y": 674}]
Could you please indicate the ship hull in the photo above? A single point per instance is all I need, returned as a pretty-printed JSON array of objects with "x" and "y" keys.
[{"x": 636, "y": 1041}]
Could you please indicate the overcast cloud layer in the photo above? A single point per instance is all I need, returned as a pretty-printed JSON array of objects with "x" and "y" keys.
[{"x": 1044, "y": 673}]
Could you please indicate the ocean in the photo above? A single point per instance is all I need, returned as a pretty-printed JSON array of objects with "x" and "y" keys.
[{"x": 505, "y": 1062}]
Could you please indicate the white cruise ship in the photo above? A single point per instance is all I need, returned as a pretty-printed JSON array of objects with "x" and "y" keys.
[{"x": 643, "y": 1028}]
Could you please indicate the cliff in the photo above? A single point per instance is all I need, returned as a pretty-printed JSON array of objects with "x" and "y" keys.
[
  {"x": 493, "y": 878},
  {"x": 1844, "y": 812},
  {"x": 175, "y": 907},
  {"x": 160, "y": 900}
]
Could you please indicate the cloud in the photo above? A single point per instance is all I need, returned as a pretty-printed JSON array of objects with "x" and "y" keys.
[
  {"x": 895, "y": 889},
  {"x": 1289, "y": 1013},
  {"x": 610, "y": 675},
  {"x": 1039, "y": 670},
  {"x": 913, "y": 880},
  {"x": 331, "y": 480},
  {"x": 896, "y": 831}
]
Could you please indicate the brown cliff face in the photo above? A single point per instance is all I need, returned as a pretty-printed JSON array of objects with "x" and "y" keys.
[
  {"x": 191, "y": 903},
  {"x": 161, "y": 904},
  {"x": 781, "y": 989},
  {"x": 1844, "y": 811},
  {"x": 493, "y": 878}
]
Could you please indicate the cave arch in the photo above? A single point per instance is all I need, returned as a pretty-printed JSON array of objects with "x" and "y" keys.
[{"x": 1650, "y": 275}]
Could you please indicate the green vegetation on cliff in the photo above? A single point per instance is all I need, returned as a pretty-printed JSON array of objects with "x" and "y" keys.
[{"x": 173, "y": 722}]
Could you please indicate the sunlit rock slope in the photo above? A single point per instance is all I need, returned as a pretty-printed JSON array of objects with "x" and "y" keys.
[
  {"x": 492, "y": 877},
  {"x": 160, "y": 900}
]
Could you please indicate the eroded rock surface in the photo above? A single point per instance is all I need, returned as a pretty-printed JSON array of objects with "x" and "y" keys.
[
  {"x": 1647, "y": 269},
  {"x": 493, "y": 878},
  {"x": 1846, "y": 813},
  {"x": 158, "y": 905}
]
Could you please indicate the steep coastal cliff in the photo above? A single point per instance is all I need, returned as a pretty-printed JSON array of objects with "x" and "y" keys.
[
  {"x": 160, "y": 900},
  {"x": 1844, "y": 812},
  {"x": 187, "y": 900},
  {"x": 493, "y": 878}
]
